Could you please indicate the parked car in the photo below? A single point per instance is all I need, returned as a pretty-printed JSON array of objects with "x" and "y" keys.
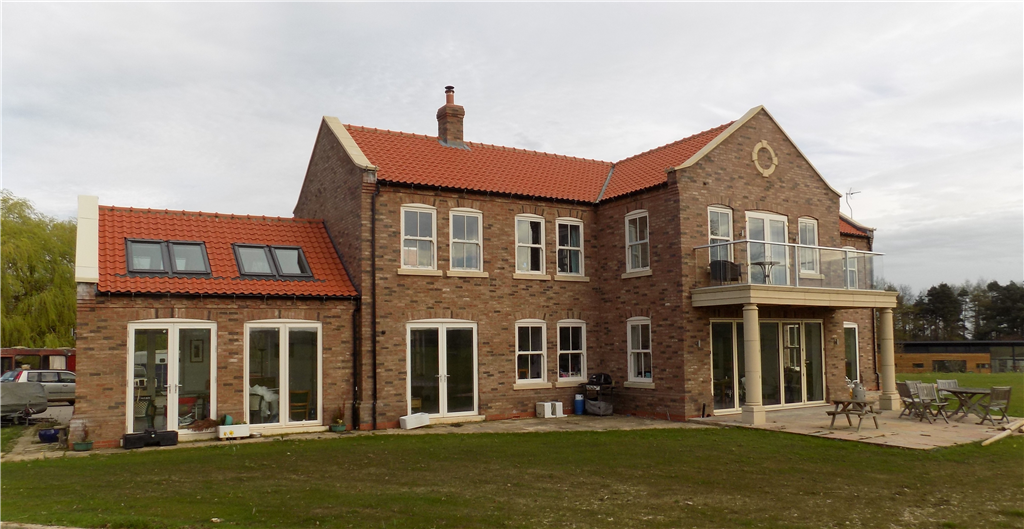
[{"x": 58, "y": 384}]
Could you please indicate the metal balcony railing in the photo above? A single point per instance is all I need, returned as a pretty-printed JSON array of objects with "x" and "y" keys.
[{"x": 784, "y": 264}]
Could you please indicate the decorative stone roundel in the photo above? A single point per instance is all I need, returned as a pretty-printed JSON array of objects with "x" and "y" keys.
[{"x": 765, "y": 171}]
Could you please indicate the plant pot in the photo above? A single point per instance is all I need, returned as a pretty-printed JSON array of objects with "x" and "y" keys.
[
  {"x": 233, "y": 431},
  {"x": 81, "y": 446},
  {"x": 337, "y": 428}
]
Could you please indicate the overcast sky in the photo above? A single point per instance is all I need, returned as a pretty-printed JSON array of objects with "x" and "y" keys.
[{"x": 215, "y": 107}]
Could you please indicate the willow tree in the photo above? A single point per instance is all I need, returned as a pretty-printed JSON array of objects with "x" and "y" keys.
[{"x": 37, "y": 276}]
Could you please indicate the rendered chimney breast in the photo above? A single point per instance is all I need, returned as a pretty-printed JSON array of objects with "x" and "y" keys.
[{"x": 449, "y": 121}]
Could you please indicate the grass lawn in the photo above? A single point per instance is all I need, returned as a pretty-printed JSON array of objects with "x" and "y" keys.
[
  {"x": 644, "y": 478},
  {"x": 980, "y": 380},
  {"x": 8, "y": 435}
]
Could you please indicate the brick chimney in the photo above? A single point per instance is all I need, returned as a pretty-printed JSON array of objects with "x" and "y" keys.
[{"x": 449, "y": 121}]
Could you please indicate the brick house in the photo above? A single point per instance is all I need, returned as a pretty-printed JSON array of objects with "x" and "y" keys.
[
  {"x": 710, "y": 275},
  {"x": 179, "y": 312}
]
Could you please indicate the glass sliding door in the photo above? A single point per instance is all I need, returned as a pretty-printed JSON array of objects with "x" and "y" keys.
[
  {"x": 771, "y": 388},
  {"x": 283, "y": 366},
  {"x": 814, "y": 379},
  {"x": 194, "y": 378},
  {"x": 442, "y": 362},
  {"x": 264, "y": 376},
  {"x": 723, "y": 365},
  {"x": 460, "y": 380},
  {"x": 172, "y": 367},
  {"x": 424, "y": 371},
  {"x": 149, "y": 399},
  {"x": 792, "y": 363}
]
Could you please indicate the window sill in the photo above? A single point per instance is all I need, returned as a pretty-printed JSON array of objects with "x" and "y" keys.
[
  {"x": 535, "y": 277},
  {"x": 418, "y": 272},
  {"x": 636, "y": 273},
  {"x": 466, "y": 273},
  {"x": 570, "y": 382},
  {"x": 638, "y": 385},
  {"x": 581, "y": 279},
  {"x": 531, "y": 385},
  {"x": 811, "y": 275}
]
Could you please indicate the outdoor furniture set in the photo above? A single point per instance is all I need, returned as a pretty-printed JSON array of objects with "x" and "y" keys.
[{"x": 926, "y": 401}]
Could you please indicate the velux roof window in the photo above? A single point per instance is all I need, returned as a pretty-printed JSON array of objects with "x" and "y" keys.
[
  {"x": 271, "y": 261},
  {"x": 166, "y": 257}
]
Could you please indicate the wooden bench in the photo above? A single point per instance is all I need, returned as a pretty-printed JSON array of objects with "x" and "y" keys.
[{"x": 861, "y": 411}]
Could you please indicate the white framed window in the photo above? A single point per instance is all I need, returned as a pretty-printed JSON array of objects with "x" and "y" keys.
[
  {"x": 852, "y": 342},
  {"x": 570, "y": 246},
  {"x": 638, "y": 246},
  {"x": 466, "y": 242},
  {"x": 531, "y": 345},
  {"x": 809, "y": 237},
  {"x": 529, "y": 244},
  {"x": 639, "y": 342},
  {"x": 851, "y": 266},
  {"x": 283, "y": 367},
  {"x": 419, "y": 238},
  {"x": 572, "y": 350},
  {"x": 720, "y": 231}
]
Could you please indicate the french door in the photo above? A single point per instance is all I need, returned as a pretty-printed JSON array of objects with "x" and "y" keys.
[
  {"x": 767, "y": 263},
  {"x": 792, "y": 363},
  {"x": 171, "y": 364},
  {"x": 442, "y": 368}
]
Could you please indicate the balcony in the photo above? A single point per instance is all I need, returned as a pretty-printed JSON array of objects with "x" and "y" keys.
[{"x": 776, "y": 273}]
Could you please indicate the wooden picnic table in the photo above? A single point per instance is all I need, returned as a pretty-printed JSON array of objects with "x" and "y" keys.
[
  {"x": 968, "y": 400},
  {"x": 848, "y": 407}
]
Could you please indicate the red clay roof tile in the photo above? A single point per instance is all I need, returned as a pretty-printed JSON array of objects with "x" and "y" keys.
[
  {"x": 218, "y": 231},
  {"x": 421, "y": 160},
  {"x": 647, "y": 169},
  {"x": 845, "y": 228}
]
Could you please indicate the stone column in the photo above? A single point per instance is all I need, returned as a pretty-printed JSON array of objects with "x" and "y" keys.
[
  {"x": 753, "y": 411},
  {"x": 890, "y": 399}
]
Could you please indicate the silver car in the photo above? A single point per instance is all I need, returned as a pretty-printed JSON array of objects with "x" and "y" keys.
[{"x": 59, "y": 384}]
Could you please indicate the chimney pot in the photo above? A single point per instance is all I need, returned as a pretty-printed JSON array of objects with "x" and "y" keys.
[{"x": 449, "y": 121}]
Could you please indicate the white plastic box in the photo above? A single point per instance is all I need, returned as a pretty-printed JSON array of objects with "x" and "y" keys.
[{"x": 414, "y": 421}]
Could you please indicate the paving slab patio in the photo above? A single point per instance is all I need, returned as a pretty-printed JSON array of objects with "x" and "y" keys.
[{"x": 892, "y": 430}]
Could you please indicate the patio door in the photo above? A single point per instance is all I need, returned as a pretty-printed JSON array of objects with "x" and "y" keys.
[
  {"x": 442, "y": 367},
  {"x": 792, "y": 365},
  {"x": 767, "y": 263},
  {"x": 172, "y": 369}
]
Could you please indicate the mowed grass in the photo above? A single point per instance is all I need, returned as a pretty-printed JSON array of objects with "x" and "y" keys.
[
  {"x": 980, "y": 380},
  {"x": 644, "y": 478}
]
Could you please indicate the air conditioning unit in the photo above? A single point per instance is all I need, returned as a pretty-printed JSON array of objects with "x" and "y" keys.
[{"x": 549, "y": 410}]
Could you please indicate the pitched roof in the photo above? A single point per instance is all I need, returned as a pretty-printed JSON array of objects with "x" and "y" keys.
[
  {"x": 218, "y": 231},
  {"x": 421, "y": 160},
  {"x": 848, "y": 227},
  {"x": 647, "y": 169}
]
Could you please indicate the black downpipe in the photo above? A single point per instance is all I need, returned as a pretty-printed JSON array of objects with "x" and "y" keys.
[
  {"x": 356, "y": 359},
  {"x": 373, "y": 308}
]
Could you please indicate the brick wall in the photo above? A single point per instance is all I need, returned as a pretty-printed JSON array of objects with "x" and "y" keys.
[{"x": 102, "y": 334}]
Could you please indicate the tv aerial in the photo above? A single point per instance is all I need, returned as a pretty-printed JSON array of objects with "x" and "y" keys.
[{"x": 849, "y": 194}]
